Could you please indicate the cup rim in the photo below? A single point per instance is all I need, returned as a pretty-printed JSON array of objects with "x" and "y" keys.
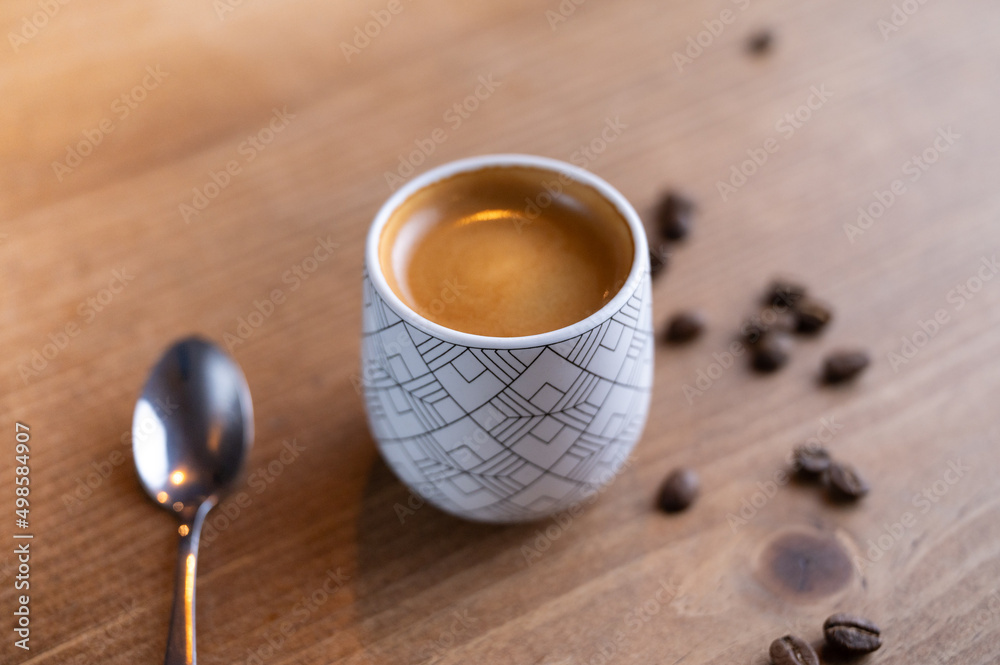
[{"x": 640, "y": 251}]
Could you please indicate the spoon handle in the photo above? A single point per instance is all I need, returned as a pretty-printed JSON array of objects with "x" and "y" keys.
[{"x": 180, "y": 639}]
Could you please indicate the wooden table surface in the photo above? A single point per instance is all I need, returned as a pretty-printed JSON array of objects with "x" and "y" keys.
[{"x": 121, "y": 230}]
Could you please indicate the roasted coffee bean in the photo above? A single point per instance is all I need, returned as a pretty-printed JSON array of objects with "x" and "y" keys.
[
  {"x": 811, "y": 460},
  {"x": 760, "y": 42},
  {"x": 811, "y": 316},
  {"x": 784, "y": 293},
  {"x": 772, "y": 352},
  {"x": 852, "y": 634},
  {"x": 685, "y": 326},
  {"x": 841, "y": 366},
  {"x": 679, "y": 490},
  {"x": 792, "y": 650},
  {"x": 844, "y": 482},
  {"x": 675, "y": 216},
  {"x": 659, "y": 258}
]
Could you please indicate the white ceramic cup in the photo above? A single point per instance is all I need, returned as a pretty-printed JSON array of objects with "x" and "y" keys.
[{"x": 507, "y": 429}]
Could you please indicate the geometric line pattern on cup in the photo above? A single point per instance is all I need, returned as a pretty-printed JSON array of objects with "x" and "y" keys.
[{"x": 506, "y": 435}]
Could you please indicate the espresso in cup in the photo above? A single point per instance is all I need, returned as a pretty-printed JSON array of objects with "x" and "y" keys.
[
  {"x": 506, "y": 251},
  {"x": 507, "y": 338}
]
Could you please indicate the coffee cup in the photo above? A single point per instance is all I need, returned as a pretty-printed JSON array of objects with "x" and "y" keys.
[{"x": 539, "y": 406}]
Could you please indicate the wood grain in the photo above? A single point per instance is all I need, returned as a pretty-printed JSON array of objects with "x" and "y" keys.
[{"x": 324, "y": 546}]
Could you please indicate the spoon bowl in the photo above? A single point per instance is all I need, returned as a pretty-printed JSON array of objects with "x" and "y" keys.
[{"x": 191, "y": 432}]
